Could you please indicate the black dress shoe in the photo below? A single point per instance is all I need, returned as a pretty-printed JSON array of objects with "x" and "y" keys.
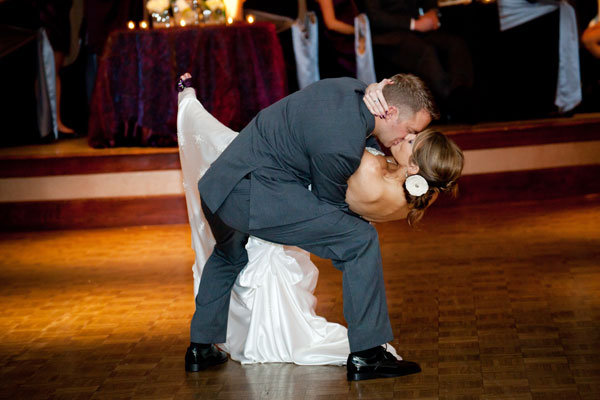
[
  {"x": 197, "y": 359},
  {"x": 381, "y": 365}
]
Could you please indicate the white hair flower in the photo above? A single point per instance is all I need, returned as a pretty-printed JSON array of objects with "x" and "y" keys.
[{"x": 416, "y": 185}]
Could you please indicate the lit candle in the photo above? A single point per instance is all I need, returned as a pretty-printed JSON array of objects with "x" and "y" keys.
[
  {"x": 144, "y": 25},
  {"x": 233, "y": 10},
  {"x": 131, "y": 25},
  {"x": 229, "y": 20},
  {"x": 182, "y": 22},
  {"x": 250, "y": 18}
]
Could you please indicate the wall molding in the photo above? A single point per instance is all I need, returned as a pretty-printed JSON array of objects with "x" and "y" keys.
[
  {"x": 93, "y": 213},
  {"x": 580, "y": 128},
  {"x": 502, "y": 188}
]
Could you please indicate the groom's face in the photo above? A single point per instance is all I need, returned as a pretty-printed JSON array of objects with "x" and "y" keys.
[{"x": 397, "y": 127}]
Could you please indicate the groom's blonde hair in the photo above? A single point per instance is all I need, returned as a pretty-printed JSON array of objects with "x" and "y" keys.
[{"x": 410, "y": 94}]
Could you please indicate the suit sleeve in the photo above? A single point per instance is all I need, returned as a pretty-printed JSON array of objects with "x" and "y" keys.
[
  {"x": 330, "y": 173},
  {"x": 382, "y": 20}
]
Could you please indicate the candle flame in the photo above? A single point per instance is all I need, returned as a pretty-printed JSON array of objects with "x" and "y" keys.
[
  {"x": 250, "y": 19},
  {"x": 130, "y": 25},
  {"x": 233, "y": 10}
]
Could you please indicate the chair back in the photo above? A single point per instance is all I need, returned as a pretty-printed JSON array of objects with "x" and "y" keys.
[
  {"x": 363, "y": 48},
  {"x": 305, "y": 40}
]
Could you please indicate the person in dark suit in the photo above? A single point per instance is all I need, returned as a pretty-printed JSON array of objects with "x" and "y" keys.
[
  {"x": 284, "y": 179},
  {"x": 406, "y": 37}
]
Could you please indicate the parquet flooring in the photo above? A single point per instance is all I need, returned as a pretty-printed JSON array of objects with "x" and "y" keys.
[{"x": 494, "y": 301}]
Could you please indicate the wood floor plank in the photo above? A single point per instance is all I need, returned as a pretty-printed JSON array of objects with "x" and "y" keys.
[{"x": 494, "y": 301}]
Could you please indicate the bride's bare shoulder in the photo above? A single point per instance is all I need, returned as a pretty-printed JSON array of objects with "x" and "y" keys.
[
  {"x": 365, "y": 185},
  {"x": 372, "y": 163}
]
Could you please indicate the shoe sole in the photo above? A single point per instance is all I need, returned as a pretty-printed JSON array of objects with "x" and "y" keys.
[
  {"x": 356, "y": 376},
  {"x": 200, "y": 367}
]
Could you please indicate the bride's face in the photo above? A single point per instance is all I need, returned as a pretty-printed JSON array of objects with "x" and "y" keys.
[{"x": 403, "y": 150}]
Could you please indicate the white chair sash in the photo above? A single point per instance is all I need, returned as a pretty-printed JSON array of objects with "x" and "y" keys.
[
  {"x": 46, "y": 89},
  {"x": 516, "y": 12},
  {"x": 365, "y": 65},
  {"x": 305, "y": 39}
]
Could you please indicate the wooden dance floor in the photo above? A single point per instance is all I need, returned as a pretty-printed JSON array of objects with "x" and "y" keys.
[{"x": 494, "y": 301}]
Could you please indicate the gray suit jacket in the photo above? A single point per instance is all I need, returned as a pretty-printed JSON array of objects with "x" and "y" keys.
[{"x": 315, "y": 136}]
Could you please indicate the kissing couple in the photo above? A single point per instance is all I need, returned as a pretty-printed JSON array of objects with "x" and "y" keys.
[{"x": 308, "y": 172}]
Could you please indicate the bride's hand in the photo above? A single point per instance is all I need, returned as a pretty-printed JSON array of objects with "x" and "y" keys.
[
  {"x": 374, "y": 99},
  {"x": 183, "y": 82}
]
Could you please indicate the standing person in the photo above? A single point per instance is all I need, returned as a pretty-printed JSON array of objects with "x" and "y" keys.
[
  {"x": 260, "y": 186},
  {"x": 406, "y": 37}
]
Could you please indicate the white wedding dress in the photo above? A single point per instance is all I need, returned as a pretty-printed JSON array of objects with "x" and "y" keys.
[{"x": 272, "y": 311}]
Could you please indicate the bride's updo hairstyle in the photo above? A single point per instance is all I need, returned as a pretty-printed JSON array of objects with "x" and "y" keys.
[{"x": 440, "y": 162}]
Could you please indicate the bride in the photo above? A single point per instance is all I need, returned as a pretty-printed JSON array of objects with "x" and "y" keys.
[{"x": 272, "y": 310}]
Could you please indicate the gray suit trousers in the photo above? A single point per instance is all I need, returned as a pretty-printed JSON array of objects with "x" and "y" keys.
[{"x": 350, "y": 242}]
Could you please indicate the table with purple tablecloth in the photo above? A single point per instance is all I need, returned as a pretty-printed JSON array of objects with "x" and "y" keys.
[{"x": 237, "y": 70}]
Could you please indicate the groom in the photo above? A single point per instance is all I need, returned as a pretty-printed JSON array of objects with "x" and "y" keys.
[{"x": 260, "y": 186}]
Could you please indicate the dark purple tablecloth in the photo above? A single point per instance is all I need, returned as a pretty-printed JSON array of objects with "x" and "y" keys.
[{"x": 237, "y": 71}]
